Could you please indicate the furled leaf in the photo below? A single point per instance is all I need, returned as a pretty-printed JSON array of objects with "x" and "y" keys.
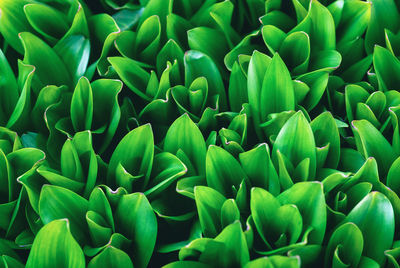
[
  {"x": 258, "y": 166},
  {"x": 209, "y": 203},
  {"x": 198, "y": 64},
  {"x": 137, "y": 162},
  {"x": 223, "y": 171},
  {"x": 346, "y": 244},
  {"x": 269, "y": 216},
  {"x": 309, "y": 199},
  {"x": 277, "y": 93},
  {"x": 326, "y": 133},
  {"x": 257, "y": 67},
  {"x": 82, "y": 105},
  {"x": 296, "y": 128},
  {"x": 183, "y": 135}
]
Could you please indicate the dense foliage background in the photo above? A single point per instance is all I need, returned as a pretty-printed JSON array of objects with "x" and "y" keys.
[{"x": 199, "y": 133}]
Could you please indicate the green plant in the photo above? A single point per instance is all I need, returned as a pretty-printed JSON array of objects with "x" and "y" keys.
[{"x": 190, "y": 133}]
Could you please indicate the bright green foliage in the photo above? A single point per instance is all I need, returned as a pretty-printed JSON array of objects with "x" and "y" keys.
[{"x": 192, "y": 133}]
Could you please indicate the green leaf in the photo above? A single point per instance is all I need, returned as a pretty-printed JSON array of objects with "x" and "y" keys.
[
  {"x": 139, "y": 225},
  {"x": 326, "y": 133},
  {"x": 13, "y": 21},
  {"x": 392, "y": 41},
  {"x": 11, "y": 262},
  {"x": 160, "y": 8},
  {"x": 111, "y": 257},
  {"x": 256, "y": 9},
  {"x": 275, "y": 261},
  {"x": 127, "y": 18},
  {"x": 57, "y": 203},
  {"x": 199, "y": 39},
  {"x": 99, "y": 203},
  {"x": 50, "y": 70},
  {"x": 148, "y": 39},
  {"x": 44, "y": 253},
  {"x": 235, "y": 245},
  {"x": 237, "y": 91},
  {"x": 19, "y": 118},
  {"x": 106, "y": 110},
  {"x": 230, "y": 242},
  {"x": 295, "y": 51},
  {"x": 327, "y": 60},
  {"x": 52, "y": 26},
  {"x": 354, "y": 94},
  {"x": 183, "y": 135},
  {"x": 223, "y": 171},
  {"x": 74, "y": 50},
  {"x": 371, "y": 143},
  {"x": 258, "y": 166},
  {"x": 258, "y": 65},
  {"x": 356, "y": 72},
  {"x": 160, "y": 113},
  {"x": 387, "y": 68},
  {"x": 374, "y": 217},
  {"x": 277, "y": 92},
  {"x": 77, "y": 14},
  {"x": 229, "y": 212},
  {"x": 296, "y": 128},
  {"x": 384, "y": 15},
  {"x": 167, "y": 168},
  {"x": 347, "y": 239},
  {"x": 136, "y": 162},
  {"x": 309, "y": 199},
  {"x": 132, "y": 75},
  {"x": 191, "y": 100},
  {"x": 368, "y": 263},
  {"x": 8, "y": 89},
  {"x": 82, "y": 105},
  {"x": 319, "y": 24},
  {"x": 71, "y": 168},
  {"x": 278, "y": 19},
  {"x": 48, "y": 96},
  {"x": 105, "y": 31},
  {"x": 323, "y": 27},
  {"x": 99, "y": 231},
  {"x": 177, "y": 28},
  {"x": 209, "y": 203},
  {"x": 273, "y": 37},
  {"x": 355, "y": 17},
  {"x": 184, "y": 264},
  {"x": 393, "y": 181},
  {"x": 245, "y": 47},
  {"x": 7, "y": 181},
  {"x": 317, "y": 82},
  {"x": 70, "y": 162},
  {"x": 170, "y": 52},
  {"x": 198, "y": 64},
  {"x": 273, "y": 220}
]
